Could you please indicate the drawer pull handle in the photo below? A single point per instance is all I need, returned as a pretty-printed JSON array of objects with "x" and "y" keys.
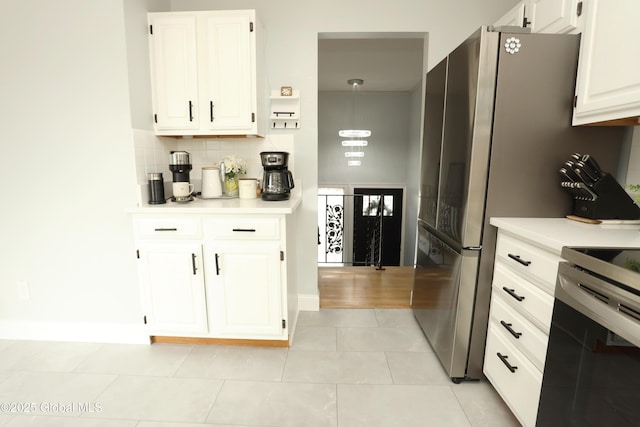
[
  {"x": 245, "y": 230},
  {"x": 217, "y": 266},
  {"x": 506, "y": 363},
  {"x": 193, "y": 263},
  {"x": 166, "y": 229},
  {"x": 512, "y": 293},
  {"x": 520, "y": 260},
  {"x": 508, "y": 327}
]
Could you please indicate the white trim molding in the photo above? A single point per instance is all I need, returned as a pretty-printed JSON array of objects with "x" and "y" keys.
[
  {"x": 118, "y": 333},
  {"x": 308, "y": 302}
]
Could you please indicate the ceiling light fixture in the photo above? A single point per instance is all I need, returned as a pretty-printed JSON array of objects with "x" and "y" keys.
[
  {"x": 355, "y": 143},
  {"x": 355, "y": 135},
  {"x": 354, "y": 154}
]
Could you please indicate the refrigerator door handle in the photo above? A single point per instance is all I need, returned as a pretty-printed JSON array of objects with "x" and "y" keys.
[{"x": 473, "y": 248}]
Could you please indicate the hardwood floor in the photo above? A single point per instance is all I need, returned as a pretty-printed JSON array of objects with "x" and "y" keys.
[{"x": 365, "y": 287}]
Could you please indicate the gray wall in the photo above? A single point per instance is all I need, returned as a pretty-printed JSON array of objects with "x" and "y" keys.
[{"x": 387, "y": 115}]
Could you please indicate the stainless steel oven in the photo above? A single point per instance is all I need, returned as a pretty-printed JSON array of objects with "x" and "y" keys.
[{"x": 592, "y": 370}]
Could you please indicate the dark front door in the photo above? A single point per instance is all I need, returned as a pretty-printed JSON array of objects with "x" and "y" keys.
[{"x": 377, "y": 226}]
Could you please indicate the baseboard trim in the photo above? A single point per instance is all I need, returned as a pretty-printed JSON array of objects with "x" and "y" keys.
[
  {"x": 219, "y": 341},
  {"x": 308, "y": 302},
  {"x": 116, "y": 333}
]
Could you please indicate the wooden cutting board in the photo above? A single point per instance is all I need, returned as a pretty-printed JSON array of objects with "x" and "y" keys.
[{"x": 585, "y": 220}]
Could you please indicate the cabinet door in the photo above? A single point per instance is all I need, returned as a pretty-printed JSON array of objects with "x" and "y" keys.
[
  {"x": 553, "y": 16},
  {"x": 172, "y": 281},
  {"x": 514, "y": 17},
  {"x": 174, "y": 71},
  {"x": 229, "y": 78},
  {"x": 608, "y": 85},
  {"x": 244, "y": 290}
]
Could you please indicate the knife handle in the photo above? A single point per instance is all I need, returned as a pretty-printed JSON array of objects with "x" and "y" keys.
[{"x": 593, "y": 164}]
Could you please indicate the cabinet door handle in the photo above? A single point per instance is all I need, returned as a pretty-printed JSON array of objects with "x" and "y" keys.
[
  {"x": 190, "y": 111},
  {"x": 193, "y": 263},
  {"x": 165, "y": 229},
  {"x": 211, "y": 110},
  {"x": 508, "y": 327},
  {"x": 217, "y": 266},
  {"x": 520, "y": 260},
  {"x": 512, "y": 293},
  {"x": 506, "y": 363},
  {"x": 245, "y": 230}
]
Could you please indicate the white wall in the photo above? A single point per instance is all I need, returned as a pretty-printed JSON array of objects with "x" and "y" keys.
[{"x": 68, "y": 170}]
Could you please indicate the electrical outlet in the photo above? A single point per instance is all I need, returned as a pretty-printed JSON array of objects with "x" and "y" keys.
[{"x": 23, "y": 290}]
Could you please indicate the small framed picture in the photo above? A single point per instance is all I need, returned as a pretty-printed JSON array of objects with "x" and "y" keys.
[{"x": 286, "y": 91}]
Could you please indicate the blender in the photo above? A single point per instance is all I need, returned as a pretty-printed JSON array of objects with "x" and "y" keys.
[{"x": 180, "y": 165}]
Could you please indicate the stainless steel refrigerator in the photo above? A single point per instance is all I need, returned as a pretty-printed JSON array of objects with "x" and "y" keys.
[{"x": 497, "y": 128}]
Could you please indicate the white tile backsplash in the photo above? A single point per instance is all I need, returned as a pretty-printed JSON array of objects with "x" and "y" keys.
[{"x": 152, "y": 155}]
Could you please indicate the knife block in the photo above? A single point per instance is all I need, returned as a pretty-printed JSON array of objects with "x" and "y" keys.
[{"x": 612, "y": 202}]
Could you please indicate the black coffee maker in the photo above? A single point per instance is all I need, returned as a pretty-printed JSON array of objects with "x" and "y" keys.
[{"x": 277, "y": 180}]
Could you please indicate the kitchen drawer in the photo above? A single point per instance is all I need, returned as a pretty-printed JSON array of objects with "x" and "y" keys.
[
  {"x": 167, "y": 228},
  {"x": 517, "y": 330},
  {"x": 528, "y": 299},
  {"x": 528, "y": 260},
  {"x": 242, "y": 228},
  {"x": 519, "y": 389}
]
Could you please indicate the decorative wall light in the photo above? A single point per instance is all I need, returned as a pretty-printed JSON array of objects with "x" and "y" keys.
[{"x": 355, "y": 136}]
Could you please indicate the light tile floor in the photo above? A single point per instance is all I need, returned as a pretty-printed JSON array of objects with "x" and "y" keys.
[{"x": 346, "y": 368}]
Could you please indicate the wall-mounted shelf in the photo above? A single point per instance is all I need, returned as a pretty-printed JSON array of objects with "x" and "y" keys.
[{"x": 285, "y": 110}]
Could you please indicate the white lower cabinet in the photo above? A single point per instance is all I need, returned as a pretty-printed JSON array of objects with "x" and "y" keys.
[
  {"x": 213, "y": 276},
  {"x": 243, "y": 289},
  {"x": 519, "y": 321},
  {"x": 172, "y": 287},
  {"x": 515, "y": 378}
]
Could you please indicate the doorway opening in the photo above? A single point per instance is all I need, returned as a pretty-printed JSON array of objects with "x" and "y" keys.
[
  {"x": 360, "y": 226},
  {"x": 367, "y": 213}
]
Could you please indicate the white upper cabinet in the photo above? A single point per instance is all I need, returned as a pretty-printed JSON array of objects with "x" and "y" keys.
[
  {"x": 544, "y": 16},
  {"x": 229, "y": 76},
  {"x": 608, "y": 84},
  {"x": 514, "y": 17},
  {"x": 174, "y": 71},
  {"x": 554, "y": 16},
  {"x": 204, "y": 73}
]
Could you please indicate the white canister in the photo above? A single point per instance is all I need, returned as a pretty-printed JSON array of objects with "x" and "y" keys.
[
  {"x": 247, "y": 188},
  {"x": 211, "y": 184}
]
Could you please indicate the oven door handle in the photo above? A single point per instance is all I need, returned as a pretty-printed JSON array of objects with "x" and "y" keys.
[{"x": 605, "y": 303}]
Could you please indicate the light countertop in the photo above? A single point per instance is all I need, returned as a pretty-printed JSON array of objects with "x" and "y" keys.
[
  {"x": 222, "y": 206},
  {"x": 554, "y": 233}
]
